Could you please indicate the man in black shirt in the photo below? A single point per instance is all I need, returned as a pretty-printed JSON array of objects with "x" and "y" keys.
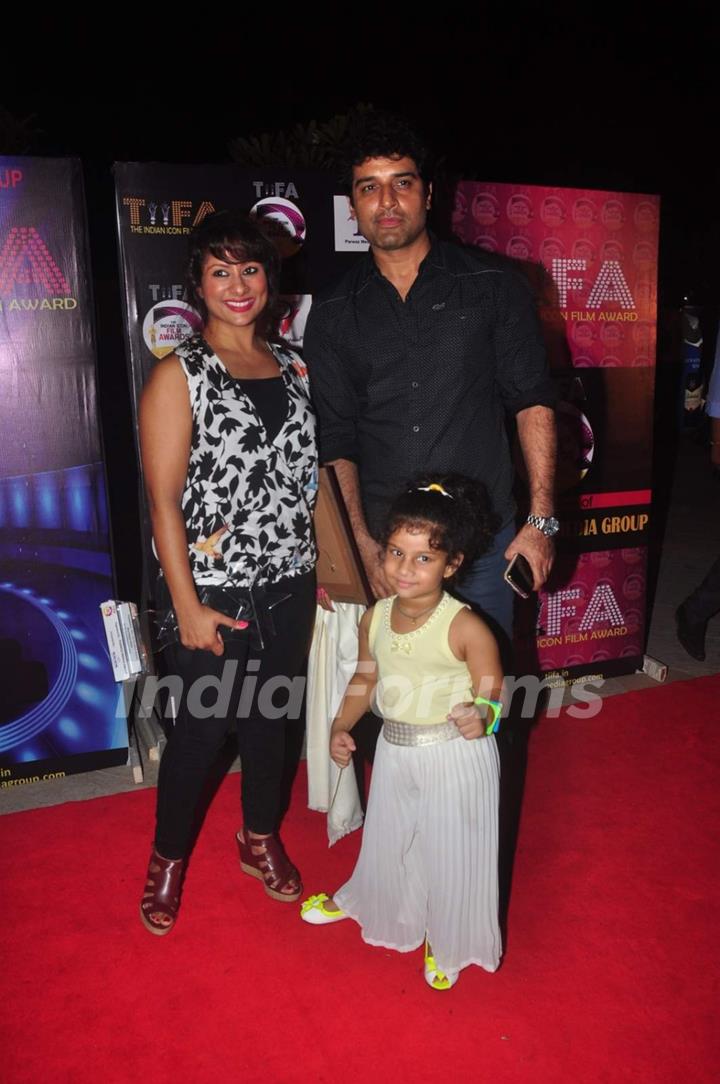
[{"x": 416, "y": 355}]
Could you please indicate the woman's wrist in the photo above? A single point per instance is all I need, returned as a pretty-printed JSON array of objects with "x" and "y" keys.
[{"x": 187, "y": 607}]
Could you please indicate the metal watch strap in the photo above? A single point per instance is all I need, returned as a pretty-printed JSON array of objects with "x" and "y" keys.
[{"x": 548, "y": 525}]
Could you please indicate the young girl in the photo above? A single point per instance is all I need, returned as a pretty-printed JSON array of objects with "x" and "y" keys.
[{"x": 427, "y": 869}]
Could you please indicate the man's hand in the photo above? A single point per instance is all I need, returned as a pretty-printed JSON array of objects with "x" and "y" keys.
[
  {"x": 371, "y": 554},
  {"x": 342, "y": 748},
  {"x": 468, "y": 720},
  {"x": 537, "y": 548},
  {"x": 372, "y": 558},
  {"x": 324, "y": 600}
]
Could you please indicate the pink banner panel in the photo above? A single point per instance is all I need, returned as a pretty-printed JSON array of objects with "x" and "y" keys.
[
  {"x": 599, "y": 254},
  {"x": 594, "y": 613}
]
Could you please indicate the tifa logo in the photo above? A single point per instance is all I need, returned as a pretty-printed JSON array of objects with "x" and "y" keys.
[
  {"x": 576, "y": 442},
  {"x": 10, "y": 178},
  {"x": 164, "y": 216},
  {"x": 28, "y": 268},
  {"x": 167, "y": 324},
  {"x": 283, "y": 223},
  {"x": 519, "y": 209},
  {"x": 602, "y": 609},
  {"x": 294, "y": 317},
  {"x": 274, "y": 188},
  {"x": 609, "y": 285}
]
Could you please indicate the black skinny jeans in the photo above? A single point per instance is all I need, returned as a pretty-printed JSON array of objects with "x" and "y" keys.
[{"x": 260, "y": 703}]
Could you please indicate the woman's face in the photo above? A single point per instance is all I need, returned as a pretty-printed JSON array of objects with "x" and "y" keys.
[{"x": 234, "y": 293}]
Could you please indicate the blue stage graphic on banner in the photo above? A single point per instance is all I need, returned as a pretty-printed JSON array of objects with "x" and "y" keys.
[{"x": 58, "y": 700}]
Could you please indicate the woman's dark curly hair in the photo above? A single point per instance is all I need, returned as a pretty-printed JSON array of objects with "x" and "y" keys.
[
  {"x": 236, "y": 238},
  {"x": 457, "y": 516},
  {"x": 378, "y": 134}
]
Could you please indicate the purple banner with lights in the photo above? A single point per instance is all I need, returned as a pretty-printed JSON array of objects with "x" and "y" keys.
[{"x": 58, "y": 700}]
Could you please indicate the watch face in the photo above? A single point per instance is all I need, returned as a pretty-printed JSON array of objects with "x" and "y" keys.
[{"x": 547, "y": 524}]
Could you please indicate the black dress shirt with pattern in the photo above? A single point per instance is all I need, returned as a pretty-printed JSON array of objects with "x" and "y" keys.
[{"x": 426, "y": 384}]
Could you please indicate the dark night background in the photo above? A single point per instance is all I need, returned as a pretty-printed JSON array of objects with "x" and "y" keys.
[
  {"x": 564, "y": 94},
  {"x": 613, "y": 98}
]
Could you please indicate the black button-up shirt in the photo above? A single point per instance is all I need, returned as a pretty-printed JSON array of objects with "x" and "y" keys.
[{"x": 424, "y": 385}]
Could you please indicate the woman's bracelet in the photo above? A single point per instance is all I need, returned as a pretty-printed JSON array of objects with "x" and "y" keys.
[{"x": 496, "y": 709}]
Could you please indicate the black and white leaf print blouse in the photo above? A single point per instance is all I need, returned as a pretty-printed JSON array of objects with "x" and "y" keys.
[{"x": 247, "y": 503}]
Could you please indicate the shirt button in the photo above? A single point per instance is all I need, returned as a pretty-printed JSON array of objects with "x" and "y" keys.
[
  {"x": 416, "y": 429},
  {"x": 414, "y": 384}
]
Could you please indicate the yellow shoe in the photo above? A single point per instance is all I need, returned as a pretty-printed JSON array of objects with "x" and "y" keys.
[
  {"x": 438, "y": 980},
  {"x": 314, "y": 911}
]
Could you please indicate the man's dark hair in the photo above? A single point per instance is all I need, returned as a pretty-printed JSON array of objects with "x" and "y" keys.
[{"x": 380, "y": 135}]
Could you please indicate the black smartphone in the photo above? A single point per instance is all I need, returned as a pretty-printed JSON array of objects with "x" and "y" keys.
[{"x": 519, "y": 575}]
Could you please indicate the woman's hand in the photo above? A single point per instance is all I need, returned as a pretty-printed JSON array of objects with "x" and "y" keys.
[
  {"x": 342, "y": 748},
  {"x": 200, "y": 629}
]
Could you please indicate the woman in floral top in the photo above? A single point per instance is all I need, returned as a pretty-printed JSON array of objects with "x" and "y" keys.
[{"x": 229, "y": 456}]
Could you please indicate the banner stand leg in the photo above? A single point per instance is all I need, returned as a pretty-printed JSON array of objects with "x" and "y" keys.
[
  {"x": 134, "y": 759},
  {"x": 148, "y": 728}
]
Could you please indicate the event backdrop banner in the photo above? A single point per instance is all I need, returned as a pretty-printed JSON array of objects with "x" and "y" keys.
[
  {"x": 59, "y": 704},
  {"x": 591, "y": 258},
  {"x": 157, "y": 206}
]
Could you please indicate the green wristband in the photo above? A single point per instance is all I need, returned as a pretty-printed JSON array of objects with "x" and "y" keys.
[{"x": 496, "y": 708}]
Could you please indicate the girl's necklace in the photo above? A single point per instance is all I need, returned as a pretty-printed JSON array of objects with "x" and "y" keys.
[{"x": 416, "y": 617}]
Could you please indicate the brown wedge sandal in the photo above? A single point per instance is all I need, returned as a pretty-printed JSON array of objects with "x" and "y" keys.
[
  {"x": 272, "y": 866},
  {"x": 161, "y": 899}
]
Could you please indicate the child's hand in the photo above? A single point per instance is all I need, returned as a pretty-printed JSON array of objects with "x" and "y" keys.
[
  {"x": 342, "y": 748},
  {"x": 468, "y": 720}
]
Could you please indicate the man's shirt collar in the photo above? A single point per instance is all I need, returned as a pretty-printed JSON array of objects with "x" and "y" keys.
[{"x": 435, "y": 259}]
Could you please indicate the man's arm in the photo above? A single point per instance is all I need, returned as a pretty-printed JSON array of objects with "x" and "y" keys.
[
  {"x": 529, "y": 394},
  {"x": 332, "y": 389},
  {"x": 336, "y": 402},
  {"x": 370, "y": 552},
  {"x": 538, "y": 440}
]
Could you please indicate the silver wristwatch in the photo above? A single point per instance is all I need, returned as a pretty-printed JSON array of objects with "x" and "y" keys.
[{"x": 547, "y": 524}]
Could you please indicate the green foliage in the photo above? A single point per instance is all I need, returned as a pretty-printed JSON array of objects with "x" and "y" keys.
[{"x": 304, "y": 146}]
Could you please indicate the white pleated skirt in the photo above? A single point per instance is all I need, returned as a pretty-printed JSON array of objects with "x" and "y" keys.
[{"x": 428, "y": 864}]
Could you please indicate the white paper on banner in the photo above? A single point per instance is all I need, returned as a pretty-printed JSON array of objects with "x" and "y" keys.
[
  {"x": 347, "y": 236},
  {"x": 332, "y": 662}
]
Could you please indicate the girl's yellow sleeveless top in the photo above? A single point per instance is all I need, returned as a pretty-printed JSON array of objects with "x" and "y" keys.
[{"x": 419, "y": 678}]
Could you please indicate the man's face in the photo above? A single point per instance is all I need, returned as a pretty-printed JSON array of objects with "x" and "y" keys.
[{"x": 390, "y": 202}]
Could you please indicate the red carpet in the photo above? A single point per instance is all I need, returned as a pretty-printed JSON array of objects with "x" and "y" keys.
[{"x": 609, "y": 975}]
